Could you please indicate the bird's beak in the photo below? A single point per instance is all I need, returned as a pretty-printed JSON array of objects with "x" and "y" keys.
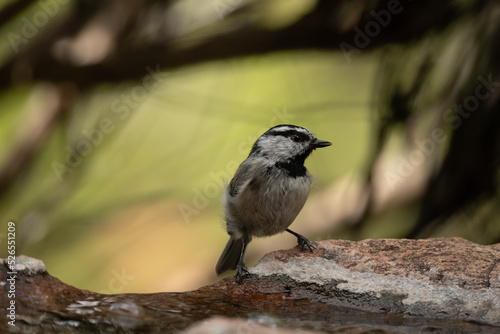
[{"x": 320, "y": 143}]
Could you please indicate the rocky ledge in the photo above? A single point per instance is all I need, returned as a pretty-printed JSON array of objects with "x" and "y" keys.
[{"x": 388, "y": 285}]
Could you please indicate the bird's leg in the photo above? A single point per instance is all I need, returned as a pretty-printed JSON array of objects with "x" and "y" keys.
[
  {"x": 241, "y": 269},
  {"x": 301, "y": 240}
]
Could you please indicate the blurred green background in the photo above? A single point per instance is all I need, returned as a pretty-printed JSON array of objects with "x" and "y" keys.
[
  {"x": 147, "y": 199},
  {"x": 137, "y": 207}
]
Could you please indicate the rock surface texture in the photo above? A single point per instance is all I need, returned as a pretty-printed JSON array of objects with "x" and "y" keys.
[
  {"x": 386, "y": 285},
  {"x": 438, "y": 278}
]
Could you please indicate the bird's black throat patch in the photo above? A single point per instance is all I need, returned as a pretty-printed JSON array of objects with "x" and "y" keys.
[{"x": 293, "y": 168}]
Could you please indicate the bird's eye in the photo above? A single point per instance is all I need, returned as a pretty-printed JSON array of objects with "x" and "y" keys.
[{"x": 295, "y": 138}]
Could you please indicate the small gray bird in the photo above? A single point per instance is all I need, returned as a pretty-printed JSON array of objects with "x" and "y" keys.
[{"x": 267, "y": 192}]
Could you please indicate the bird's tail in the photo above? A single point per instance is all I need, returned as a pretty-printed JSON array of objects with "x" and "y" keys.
[{"x": 230, "y": 256}]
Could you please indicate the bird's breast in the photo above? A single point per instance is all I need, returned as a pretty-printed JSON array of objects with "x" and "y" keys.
[{"x": 268, "y": 204}]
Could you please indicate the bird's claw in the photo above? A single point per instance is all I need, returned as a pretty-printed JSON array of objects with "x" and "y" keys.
[
  {"x": 303, "y": 241},
  {"x": 241, "y": 272}
]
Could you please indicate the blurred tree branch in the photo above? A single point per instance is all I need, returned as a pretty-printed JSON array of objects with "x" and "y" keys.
[{"x": 322, "y": 28}]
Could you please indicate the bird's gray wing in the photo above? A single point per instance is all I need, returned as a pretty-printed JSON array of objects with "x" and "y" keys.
[
  {"x": 240, "y": 177},
  {"x": 247, "y": 171}
]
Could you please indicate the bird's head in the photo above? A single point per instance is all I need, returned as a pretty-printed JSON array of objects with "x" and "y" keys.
[{"x": 283, "y": 143}]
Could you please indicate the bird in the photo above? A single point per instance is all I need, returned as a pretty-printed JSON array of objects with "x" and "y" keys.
[{"x": 267, "y": 192}]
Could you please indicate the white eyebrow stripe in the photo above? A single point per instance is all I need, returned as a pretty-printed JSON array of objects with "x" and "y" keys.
[{"x": 285, "y": 128}]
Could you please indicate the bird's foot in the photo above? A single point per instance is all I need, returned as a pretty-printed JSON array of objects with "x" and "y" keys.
[
  {"x": 241, "y": 272},
  {"x": 303, "y": 241}
]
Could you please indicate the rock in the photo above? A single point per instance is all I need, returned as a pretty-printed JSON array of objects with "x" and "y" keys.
[
  {"x": 26, "y": 265},
  {"x": 222, "y": 325},
  {"x": 436, "y": 278},
  {"x": 389, "y": 286}
]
